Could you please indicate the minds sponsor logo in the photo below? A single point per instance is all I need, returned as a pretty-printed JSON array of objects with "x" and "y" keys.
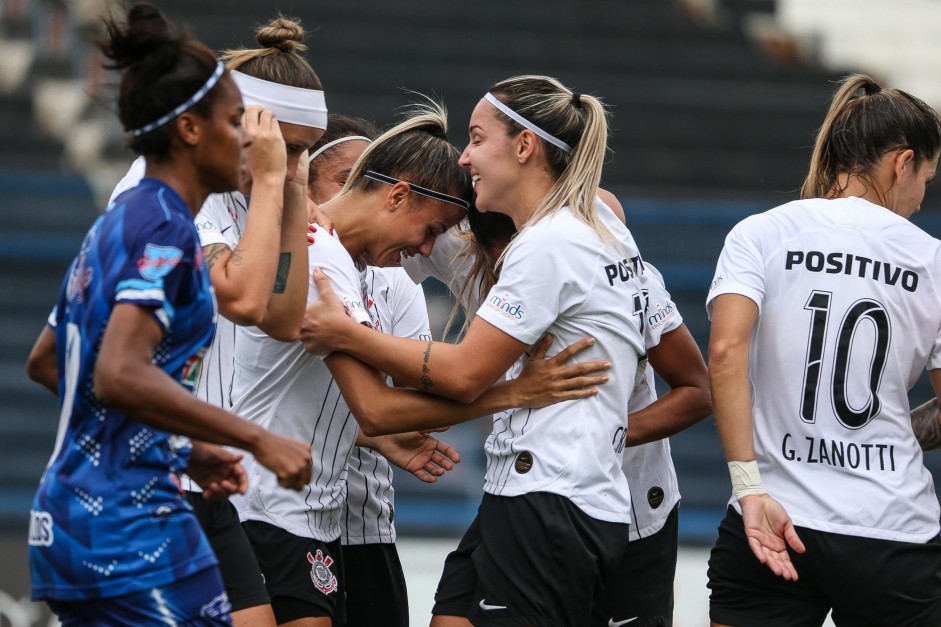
[
  {"x": 40, "y": 528},
  {"x": 659, "y": 315},
  {"x": 353, "y": 305},
  {"x": 716, "y": 282},
  {"x": 502, "y": 304}
]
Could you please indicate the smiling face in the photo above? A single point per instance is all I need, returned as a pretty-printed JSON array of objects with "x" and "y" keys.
[
  {"x": 490, "y": 157},
  {"x": 409, "y": 224}
]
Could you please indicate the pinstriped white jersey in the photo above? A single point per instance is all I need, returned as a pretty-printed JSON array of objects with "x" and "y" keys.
[
  {"x": 221, "y": 220},
  {"x": 850, "y": 315},
  {"x": 397, "y": 307},
  {"x": 285, "y": 389}
]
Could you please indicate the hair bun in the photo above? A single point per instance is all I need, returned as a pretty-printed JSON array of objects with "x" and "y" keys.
[{"x": 285, "y": 34}]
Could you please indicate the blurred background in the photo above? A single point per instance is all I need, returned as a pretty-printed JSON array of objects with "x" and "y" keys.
[{"x": 714, "y": 107}]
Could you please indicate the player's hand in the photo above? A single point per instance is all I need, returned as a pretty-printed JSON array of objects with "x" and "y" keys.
[
  {"x": 770, "y": 532},
  {"x": 266, "y": 156},
  {"x": 217, "y": 470},
  {"x": 317, "y": 220},
  {"x": 300, "y": 174},
  {"x": 546, "y": 381},
  {"x": 324, "y": 319},
  {"x": 289, "y": 459},
  {"x": 423, "y": 455}
]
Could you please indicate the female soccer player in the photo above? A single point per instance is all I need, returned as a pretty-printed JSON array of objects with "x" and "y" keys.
[
  {"x": 254, "y": 245},
  {"x": 112, "y": 540},
  {"x": 406, "y": 188},
  {"x": 641, "y": 587},
  {"x": 376, "y": 593},
  {"x": 825, "y": 311},
  {"x": 553, "y": 479}
]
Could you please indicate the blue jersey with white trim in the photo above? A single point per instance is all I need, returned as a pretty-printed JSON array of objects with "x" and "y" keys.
[{"x": 109, "y": 518}]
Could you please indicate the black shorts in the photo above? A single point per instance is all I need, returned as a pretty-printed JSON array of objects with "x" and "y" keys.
[
  {"x": 639, "y": 592},
  {"x": 867, "y": 582},
  {"x": 534, "y": 560},
  {"x": 375, "y": 586},
  {"x": 304, "y": 576},
  {"x": 244, "y": 583}
]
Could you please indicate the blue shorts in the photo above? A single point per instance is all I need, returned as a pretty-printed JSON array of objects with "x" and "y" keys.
[{"x": 197, "y": 601}]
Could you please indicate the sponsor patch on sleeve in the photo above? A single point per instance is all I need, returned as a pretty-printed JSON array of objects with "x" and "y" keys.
[{"x": 158, "y": 261}]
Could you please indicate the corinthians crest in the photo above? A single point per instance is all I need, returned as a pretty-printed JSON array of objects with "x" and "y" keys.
[{"x": 320, "y": 573}]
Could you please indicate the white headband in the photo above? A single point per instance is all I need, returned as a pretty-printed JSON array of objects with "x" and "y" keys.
[
  {"x": 516, "y": 117},
  {"x": 293, "y": 105},
  {"x": 330, "y": 145}
]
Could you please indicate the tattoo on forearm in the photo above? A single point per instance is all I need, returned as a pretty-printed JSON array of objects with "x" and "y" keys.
[
  {"x": 236, "y": 259},
  {"x": 926, "y": 425},
  {"x": 214, "y": 252},
  {"x": 281, "y": 278},
  {"x": 426, "y": 381}
]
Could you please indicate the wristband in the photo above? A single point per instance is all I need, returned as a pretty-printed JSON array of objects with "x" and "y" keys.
[{"x": 746, "y": 479}]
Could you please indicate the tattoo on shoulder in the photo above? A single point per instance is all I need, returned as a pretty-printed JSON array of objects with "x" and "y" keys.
[
  {"x": 213, "y": 253},
  {"x": 281, "y": 278},
  {"x": 926, "y": 425},
  {"x": 426, "y": 381}
]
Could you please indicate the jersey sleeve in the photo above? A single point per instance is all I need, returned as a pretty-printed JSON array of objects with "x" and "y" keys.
[
  {"x": 662, "y": 314},
  {"x": 527, "y": 298},
  {"x": 740, "y": 269},
  {"x": 330, "y": 256},
  {"x": 212, "y": 219},
  {"x": 409, "y": 310},
  {"x": 158, "y": 267}
]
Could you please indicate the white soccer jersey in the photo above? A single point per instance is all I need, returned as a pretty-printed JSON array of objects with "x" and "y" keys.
[
  {"x": 649, "y": 467},
  {"x": 560, "y": 276},
  {"x": 285, "y": 389},
  {"x": 397, "y": 307},
  {"x": 850, "y": 315}
]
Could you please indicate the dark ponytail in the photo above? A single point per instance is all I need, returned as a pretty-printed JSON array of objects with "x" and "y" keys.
[{"x": 161, "y": 67}]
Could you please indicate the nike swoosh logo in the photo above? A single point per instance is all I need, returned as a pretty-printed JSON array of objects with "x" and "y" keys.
[
  {"x": 225, "y": 229},
  {"x": 484, "y": 606},
  {"x": 611, "y": 622}
]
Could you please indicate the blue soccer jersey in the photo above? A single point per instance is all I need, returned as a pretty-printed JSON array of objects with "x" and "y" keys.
[{"x": 109, "y": 518}]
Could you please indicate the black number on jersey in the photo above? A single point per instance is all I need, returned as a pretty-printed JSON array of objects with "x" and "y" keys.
[
  {"x": 865, "y": 309},
  {"x": 641, "y": 302}
]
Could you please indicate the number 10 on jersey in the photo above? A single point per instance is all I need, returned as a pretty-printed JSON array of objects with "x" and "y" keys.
[{"x": 863, "y": 310}]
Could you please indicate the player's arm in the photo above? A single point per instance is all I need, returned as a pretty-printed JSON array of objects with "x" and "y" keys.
[
  {"x": 126, "y": 378},
  {"x": 380, "y": 409},
  {"x": 245, "y": 278},
  {"x": 41, "y": 365},
  {"x": 288, "y": 298},
  {"x": 926, "y": 421},
  {"x": 456, "y": 371},
  {"x": 768, "y": 526},
  {"x": 678, "y": 361}
]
